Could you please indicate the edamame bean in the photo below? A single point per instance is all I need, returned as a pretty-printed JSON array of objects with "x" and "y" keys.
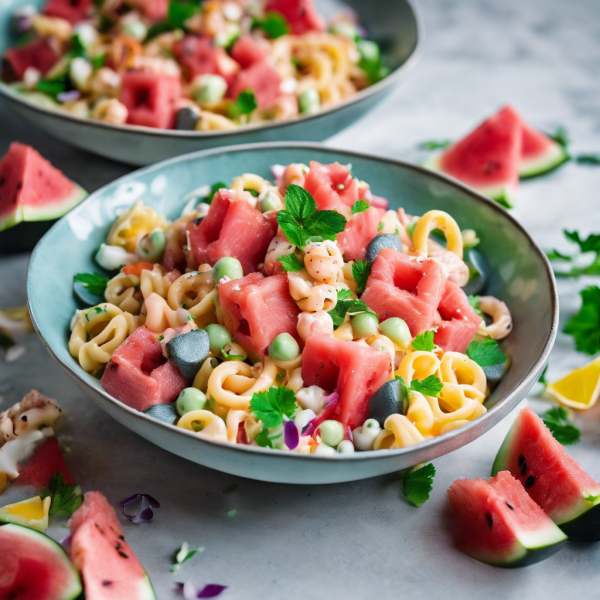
[
  {"x": 218, "y": 337},
  {"x": 152, "y": 246},
  {"x": 331, "y": 432},
  {"x": 190, "y": 399},
  {"x": 397, "y": 330},
  {"x": 228, "y": 267},
  {"x": 135, "y": 29},
  {"x": 284, "y": 347},
  {"x": 208, "y": 89},
  {"x": 365, "y": 324},
  {"x": 309, "y": 101}
]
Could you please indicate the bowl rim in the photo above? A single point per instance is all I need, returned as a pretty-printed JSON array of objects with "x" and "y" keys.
[
  {"x": 503, "y": 406},
  {"x": 360, "y": 97}
]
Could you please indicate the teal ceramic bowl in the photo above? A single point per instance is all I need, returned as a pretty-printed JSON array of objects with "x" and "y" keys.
[
  {"x": 521, "y": 276},
  {"x": 396, "y": 25}
]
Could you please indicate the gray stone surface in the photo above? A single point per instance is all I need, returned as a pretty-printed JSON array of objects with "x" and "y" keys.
[{"x": 361, "y": 540}]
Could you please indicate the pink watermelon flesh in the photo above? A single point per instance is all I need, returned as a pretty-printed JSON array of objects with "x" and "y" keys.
[
  {"x": 34, "y": 567},
  {"x": 551, "y": 477},
  {"x": 496, "y": 522},
  {"x": 262, "y": 79},
  {"x": 256, "y": 309},
  {"x": 406, "y": 287},
  {"x": 47, "y": 460},
  {"x": 197, "y": 56},
  {"x": 232, "y": 228},
  {"x": 71, "y": 10},
  {"x": 301, "y": 15},
  {"x": 31, "y": 189},
  {"x": 458, "y": 322},
  {"x": 332, "y": 187},
  {"x": 352, "y": 370},
  {"x": 150, "y": 98},
  {"x": 37, "y": 54},
  {"x": 109, "y": 568},
  {"x": 247, "y": 51},
  {"x": 360, "y": 229},
  {"x": 153, "y": 10},
  {"x": 139, "y": 375}
]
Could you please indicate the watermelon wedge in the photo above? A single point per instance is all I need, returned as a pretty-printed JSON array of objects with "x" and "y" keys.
[
  {"x": 35, "y": 567},
  {"x": 496, "y": 522},
  {"x": 553, "y": 479},
  {"x": 540, "y": 153},
  {"x": 31, "y": 189}
]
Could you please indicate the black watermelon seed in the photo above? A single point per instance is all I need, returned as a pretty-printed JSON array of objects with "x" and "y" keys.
[
  {"x": 529, "y": 481},
  {"x": 106, "y": 582},
  {"x": 121, "y": 553},
  {"x": 489, "y": 519},
  {"x": 510, "y": 506},
  {"x": 122, "y": 537},
  {"x": 524, "y": 468},
  {"x": 521, "y": 460}
]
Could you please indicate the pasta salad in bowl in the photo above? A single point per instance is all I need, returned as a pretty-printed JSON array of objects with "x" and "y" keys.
[{"x": 292, "y": 310}]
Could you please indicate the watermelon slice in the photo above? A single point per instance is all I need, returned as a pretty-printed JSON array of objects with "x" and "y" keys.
[
  {"x": 406, "y": 287},
  {"x": 488, "y": 158},
  {"x": 31, "y": 189},
  {"x": 108, "y": 566},
  {"x": 47, "y": 460},
  {"x": 257, "y": 309},
  {"x": 262, "y": 79},
  {"x": 551, "y": 477},
  {"x": 360, "y": 229},
  {"x": 38, "y": 54},
  {"x": 352, "y": 370},
  {"x": 332, "y": 187},
  {"x": 540, "y": 153},
  {"x": 71, "y": 10},
  {"x": 301, "y": 15},
  {"x": 496, "y": 522},
  {"x": 35, "y": 567}
]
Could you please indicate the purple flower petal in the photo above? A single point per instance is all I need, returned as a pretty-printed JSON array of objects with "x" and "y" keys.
[
  {"x": 211, "y": 590},
  {"x": 190, "y": 591},
  {"x": 68, "y": 96},
  {"x": 291, "y": 437},
  {"x": 146, "y": 513}
]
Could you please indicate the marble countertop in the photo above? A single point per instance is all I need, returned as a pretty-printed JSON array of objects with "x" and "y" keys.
[{"x": 361, "y": 539}]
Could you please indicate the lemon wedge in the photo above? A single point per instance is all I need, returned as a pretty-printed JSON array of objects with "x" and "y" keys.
[
  {"x": 580, "y": 388},
  {"x": 32, "y": 512}
]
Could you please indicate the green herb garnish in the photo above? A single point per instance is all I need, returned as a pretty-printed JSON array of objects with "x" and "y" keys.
[
  {"x": 290, "y": 262},
  {"x": 417, "y": 484},
  {"x": 560, "y": 136},
  {"x": 434, "y": 144},
  {"x": 370, "y": 61},
  {"x": 474, "y": 302},
  {"x": 486, "y": 353},
  {"x": 588, "y": 159},
  {"x": 183, "y": 555},
  {"x": 557, "y": 421},
  {"x": 424, "y": 341},
  {"x": 65, "y": 498},
  {"x": 244, "y": 105},
  {"x": 227, "y": 356},
  {"x": 346, "y": 305},
  {"x": 252, "y": 192},
  {"x": 52, "y": 87},
  {"x": 213, "y": 190},
  {"x": 271, "y": 406},
  {"x": 92, "y": 282},
  {"x": 360, "y": 206},
  {"x": 585, "y": 325},
  {"x": 180, "y": 12},
  {"x": 273, "y": 24},
  {"x": 542, "y": 378},
  {"x": 361, "y": 270},
  {"x": 590, "y": 244}
]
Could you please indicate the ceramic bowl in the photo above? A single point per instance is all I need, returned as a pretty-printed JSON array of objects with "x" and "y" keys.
[
  {"x": 521, "y": 276},
  {"x": 398, "y": 29}
]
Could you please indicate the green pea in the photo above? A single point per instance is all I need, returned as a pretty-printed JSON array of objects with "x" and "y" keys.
[
  {"x": 218, "y": 336},
  {"x": 135, "y": 29},
  {"x": 152, "y": 246},
  {"x": 190, "y": 399},
  {"x": 309, "y": 101},
  {"x": 397, "y": 330},
  {"x": 284, "y": 347},
  {"x": 331, "y": 432},
  {"x": 227, "y": 267},
  {"x": 365, "y": 324},
  {"x": 208, "y": 89}
]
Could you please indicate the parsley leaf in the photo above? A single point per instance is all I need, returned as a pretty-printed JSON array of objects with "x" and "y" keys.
[
  {"x": 92, "y": 282},
  {"x": 556, "y": 255},
  {"x": 183, "y": 555},
  {"x": 263, "y": 439},
  {"x": 417, "y": 484},
  {"x": 360, "y": 206},
  {"x": 589, "y": 244},
  {"x": 273, "y": 24},
  {"x": 430, "y": 386},
  {"x": 271, "y": 406},
  {"x": 474, "y": 302},
  {"x": 424, "y": 341},
  {"x": 361, "y": 270},
  {"x": 486, "y": 353},
  {"x": 557, "y": 421},
  {"x": 244, "y": 105},
  {"x": 290, "y": 262},
  {"x": 370, "y": 61},
  {"x": 65, "y": 498},
  {"x": 434, "y": 144},
  {"x": 585, "y": 325},
  {"x": 346, "y": 305},
  {"x": 180, "y": 12}
]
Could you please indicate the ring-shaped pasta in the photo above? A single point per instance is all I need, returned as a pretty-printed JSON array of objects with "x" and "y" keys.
[
  {"x": 238, "y": 384},
  {"x": 159, "y": 315},
  {"x": 438, "y": 219},
  {"x": 250, "y": 181},
  {"x": 216, "y": 385},
  {"x": 418, "y": 365},
  {"x": 460, "y": 369},
  {"x": 420, "y": 414},
  {"x": 134, "y": 224},
  {"x": 294, "y": 380},
  {"x": 154, "y": 282},
  {"x": 501, "y": 324},
  {"x": 190, "y": 291},
  {"x": 403, "y": 431},
  {"x": 201, "y": 379},
  {"x": 123, "y": 291},
  {"x": 266, "y": 379},
  {"x": 212, "y": 426}
]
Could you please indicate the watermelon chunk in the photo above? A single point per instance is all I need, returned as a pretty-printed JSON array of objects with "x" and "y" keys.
[
  {"x": 247, "y": 51},
  {"x": 262, "y": 79},
  {"x": 458, "y": 322},
  {"x": 197, "y": 56},
  {"x": 488, "y": 158},
  {"x": 139, "y": 375},
  {"x": 407, "y": 287},
  {"x": 551, "y": 477},
  {"x": 496, "y": 522},
  {"x": 257, "y": 309},
  {"x": 35, "y": 567},
  {"x": 352, "y": 370},
  {"x": 540, "y": 153},
  {"x": 47, "y": 460},
  {"x": 153, "y": 10},
  {"x": 232, "y": 228},
  {"x": 301, "y": 15},
  {"x": 360, "y": 229},
  {"x": 150, "y": 98},
  {"x": 108, "y": 566},
  {"x": 332, "y": 187},
  {"x": 38, "y": 54},
  {"x": 71, "y": 10},
  {"x": 31, "y": 189}
]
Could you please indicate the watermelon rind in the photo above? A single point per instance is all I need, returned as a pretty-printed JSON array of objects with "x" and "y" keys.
[
  {"x": 556, "y": 155},
  {"x": 72, "y": 585}
]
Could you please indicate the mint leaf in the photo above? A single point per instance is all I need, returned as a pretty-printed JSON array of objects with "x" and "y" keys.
[
  {"x": 360, "y": 206},
  {"x": 434, "y": 144},
  {"x": 346, "y": 305},
  {"x": 290, "y": 262},
  {"x": 180, "y": 12},
  {"x": 324, "y": 225},
  {"x": 486, "y": 353},
  {"x": 557, "y": 421},
  {"x": 361, "y": 270},
  {"x": 299, "y": 203},
  {"x": 585, "y": 325},
  {"x": 417, "y": 484},
  {"x": 424, "y": 341},
  {"x": 271, "y": 406},
  {"x": 430, "y": 386},
  {"x": 92, "y": 282},
  {"x": 273, "y": 24},
  {"x": 244, "y": 105},
  {"x": 65, "y": 498},
  {"x": 474, "y": 302}
]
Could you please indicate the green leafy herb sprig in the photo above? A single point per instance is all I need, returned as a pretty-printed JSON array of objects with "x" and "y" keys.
[
  {"x": 424, "y": 342},
  {"x": 361, "y": 270},
  {"x": 183, "y": 555},
  {"x": 345, "y": 305},
  {"x": 360, "y": 206},
  {"x": 92, "y": 282},
  {"x": 273, "y": 24},
  {"x": 417, "y": 484},
  {"x": 290, "y": 262},
  {"x": 271, "y": 406},
  {"x": 585, "y": 325},
  {"x": 590, "y": 244},
  {"x": 430, "y": 386},
  {"x": 244, "y": 105},
  {"x": 65, "y": 499},
  {"x": 557, "y": 421},
  {"x": 486, "y": 353}
]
